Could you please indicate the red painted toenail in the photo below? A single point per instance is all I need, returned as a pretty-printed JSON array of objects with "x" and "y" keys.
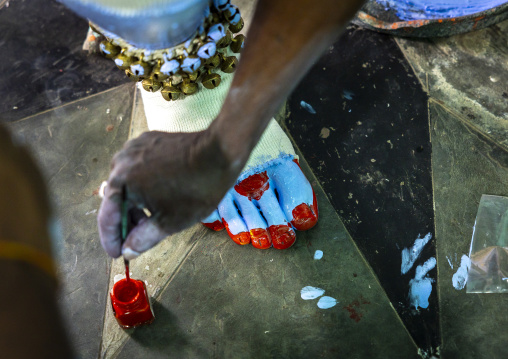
[
  {"x": 305, "y": 217},
  {"x": 216, "y": 226},
  {"x": 241, "y": 238},
  {"x": 282, "y": 236},
  {"x": 253, "y": 186},
  {"x": 260, "y": 238}
]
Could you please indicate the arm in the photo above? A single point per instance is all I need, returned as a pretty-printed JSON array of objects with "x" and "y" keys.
[
  {"x": 286, "y": 38},
  {"x": 181, "y": 177},
  {"x": 32, "y": 327}
]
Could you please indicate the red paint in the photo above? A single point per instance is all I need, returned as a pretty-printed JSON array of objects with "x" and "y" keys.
[
  {"x": 216, "y": 226},
  {"x": 241, "y": 238},
  {"x": 130, "y": 303},
  {"x": 282, "y": 236},
  {"x": 305, "y": 217},
  {"x": 253, "y": 186},
  {"x": 260, "y": 238},
  {"x": 353, "y": 307}
]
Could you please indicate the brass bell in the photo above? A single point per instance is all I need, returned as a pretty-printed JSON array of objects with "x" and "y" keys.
[
  {"x": 213, "y": 62},
  {"x": 195, "y": 75},
  {"x": 150, "y": 85},
  {"x": 108, "y": 49},
  {"x": 141, "y": 69},
  {"x": 188, "y": 87},
  {"x": 123, "y": 61},
  {"x": 225, "y": 41},
  {"x": 131, "y": 76},
  {"x": 237, "y": 43},
  {"x": 211, "y": 80},
  {"x": 238, "y": 27},
  {"x": 157, "y": 75},
  {"x": 170, "y": 93},
  {"x": 229, "y": 64}
]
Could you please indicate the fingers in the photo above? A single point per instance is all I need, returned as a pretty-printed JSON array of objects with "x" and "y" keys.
[
  {"x": 145, "y": 235},
  {"x": 109, "y": 219}
]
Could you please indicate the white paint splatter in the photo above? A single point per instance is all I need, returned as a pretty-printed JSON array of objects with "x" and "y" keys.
[
  {"x": 326, "y": 302},
  {"x": 91, "y": 212},
  {"x": 309, "y": 292},
  {"x": 449, "y": 262},
  {"x": 421, "y": 285},
  {"x": 307, "y": 107},
  {"x": 318, "y": 255},
  {"x": 459, "y": 279},
  {"x": 409, "y": 256},
  {"x": 348, "y": 95}
]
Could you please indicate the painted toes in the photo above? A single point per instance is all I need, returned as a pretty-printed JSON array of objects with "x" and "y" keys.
[
  {"x": 283, "y": 236},
  {"x": 304, "y": 216},
  {"x": 260, "y": 238},
  {"x": 233, "y": 222},
  {"x": 213, "y": 221}
]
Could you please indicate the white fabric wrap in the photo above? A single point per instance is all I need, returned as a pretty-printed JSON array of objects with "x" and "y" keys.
[{"x": 196, "y": 113}]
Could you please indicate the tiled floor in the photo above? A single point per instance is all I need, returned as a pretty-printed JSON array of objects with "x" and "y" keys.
[{"x": 407, "y": 136}]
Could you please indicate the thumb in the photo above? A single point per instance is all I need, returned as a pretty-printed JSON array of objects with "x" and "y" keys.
[{"x": 141, "y": 238}]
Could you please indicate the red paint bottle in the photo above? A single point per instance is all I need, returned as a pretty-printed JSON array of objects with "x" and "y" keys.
[
  {"x": 131, "y": 304},
  {"x": 129, "y": 298}
]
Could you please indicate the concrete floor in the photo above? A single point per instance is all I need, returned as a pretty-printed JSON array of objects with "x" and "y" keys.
[{"x": 214, "y": 299}]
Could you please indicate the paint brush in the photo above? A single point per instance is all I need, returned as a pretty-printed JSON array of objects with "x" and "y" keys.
[
  {"x": 124, "y": 227},
  {"x": 129, "y": 298}
]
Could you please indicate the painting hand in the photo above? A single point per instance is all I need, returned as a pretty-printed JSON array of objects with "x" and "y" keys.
[{"x": 178, "y": 178}]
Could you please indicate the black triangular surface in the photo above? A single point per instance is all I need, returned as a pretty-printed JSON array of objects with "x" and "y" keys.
[{"x": 368, "y": 143}]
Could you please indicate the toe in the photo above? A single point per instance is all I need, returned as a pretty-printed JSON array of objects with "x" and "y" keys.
[
  {"x": 283, "y": 236},
  {"x": 235, "y": 226},
  {"x": 296, "y": 197},
  {"x": 304, "y": 216},
  {"x": 260, "y": 238},
  {"x": 213, "y": 221}
]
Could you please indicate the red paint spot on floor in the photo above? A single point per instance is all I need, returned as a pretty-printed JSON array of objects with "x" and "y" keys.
[
  {"x": 110, "y": 128},
  {"x": 253, "y": 186},
  {"x": 353, "y": 309}
]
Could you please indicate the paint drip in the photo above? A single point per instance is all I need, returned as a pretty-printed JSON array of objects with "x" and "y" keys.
[
  {"x": 326, "y": 302},
  {"x": 309, "y": 292},
  {"x": 409, "y": 256},
  {"x": 318, "y": 255},
  {"x": 421, "y": 286},
  {"x": 307, "y": 107},
  {"x": 459, "y": 279}
]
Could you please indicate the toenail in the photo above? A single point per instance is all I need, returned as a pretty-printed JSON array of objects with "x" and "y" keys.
[
  {"x": 282, "y": 236},
  {"x": 260, "y": 238},
  {"x": 253, "y": 186},
  {"x": 216, "y": 226},
  {"x": 303, "y": 217}
]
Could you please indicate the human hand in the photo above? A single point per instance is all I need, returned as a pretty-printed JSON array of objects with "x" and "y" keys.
[
  {"x": 264, "y": 208},
  {"x": 178, "y": 177}
]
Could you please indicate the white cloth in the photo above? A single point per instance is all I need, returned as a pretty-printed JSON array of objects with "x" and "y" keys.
[{"x": 196, "y": 112}]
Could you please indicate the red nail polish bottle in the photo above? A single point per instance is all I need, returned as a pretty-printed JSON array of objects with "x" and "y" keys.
[{"x": 131, "y": 304}]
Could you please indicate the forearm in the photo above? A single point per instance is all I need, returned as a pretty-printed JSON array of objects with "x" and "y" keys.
[{"x": 285, "y": 39}]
